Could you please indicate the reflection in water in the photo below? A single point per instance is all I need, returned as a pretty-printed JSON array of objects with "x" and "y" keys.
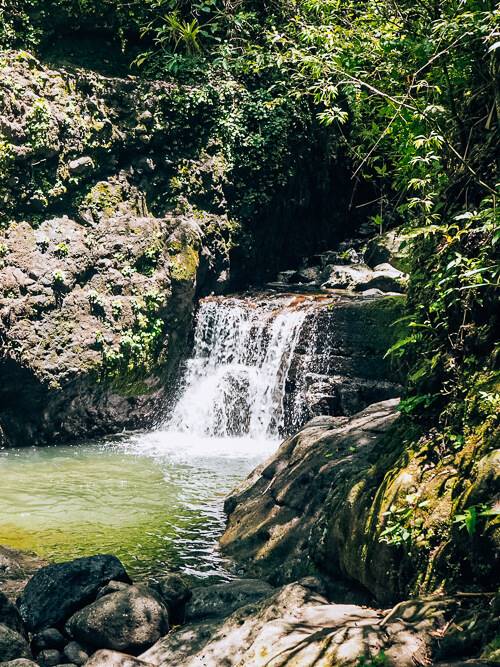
[{"x": 154, "y": 500}]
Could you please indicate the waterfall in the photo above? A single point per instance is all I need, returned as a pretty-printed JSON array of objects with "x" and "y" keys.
[{"x": 236, "y": 380}]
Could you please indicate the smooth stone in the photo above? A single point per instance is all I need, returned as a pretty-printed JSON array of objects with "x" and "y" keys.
[
  {"x": 222, "y": 599},
  {"x": 75, "y": 653},
  {"x": 12, "y": 644},
  {"x": 48, "y": 638},
  {"x": 10, "y": 616},
  {"x": 49, "y": 657},
  {"x": 55, "y": 592},
  {"x": 129, "y": 620},
  {"x": 106, "y": 658}
]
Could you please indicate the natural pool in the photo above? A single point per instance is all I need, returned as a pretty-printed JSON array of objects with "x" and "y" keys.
[{"x": 153, "y": 499}]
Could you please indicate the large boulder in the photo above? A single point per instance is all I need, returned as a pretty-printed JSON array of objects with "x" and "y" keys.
[
  {"x": 94, "y": 320},
  {"x": 97, "y": 276},
  {"x": 297, "y": 626},
  {"x": 12, "y": 644},
  {"x": 272, "y": 513},
  {"x": 128, "y": 620},
  {"x": 57, "y": 591},
  {"x": 370, "y": 501}
]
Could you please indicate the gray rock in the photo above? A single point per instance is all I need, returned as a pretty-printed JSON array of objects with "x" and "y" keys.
[
  {"x": 10, "y": 616},
  {"x": 105, "y": 658},
  {"x": 64, "y": 283},
  {"x": 272, "y": 513},
  {"x": 49, "y": 657},
  {"x": 112, "y": 587},
  {"x": 390, "y": 247},
  {"x": 75, "y": 653},
  {"x": 12, "y": 644},
  {"x": 296, "y": 625},
  {"x": 82, "y": 165},
  {"x": 20, "y": 662},
  {"x": 175, "y": 593},
  {"x": 347, "y": 276},
  {"x": 128, "y": 620},
  {"x": 222, "y": 599},
  {"x": 56, "y": 591},
  {"x": 48, "y": 638},
  {"x": 360, "y": 277}
]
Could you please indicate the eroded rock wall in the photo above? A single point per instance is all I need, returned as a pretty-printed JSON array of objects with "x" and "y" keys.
[{"x": 97, "y": 278}]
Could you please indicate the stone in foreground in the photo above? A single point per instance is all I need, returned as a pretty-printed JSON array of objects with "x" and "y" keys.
[
  {"x": 12, "y": 644},
  {"x": 129, "y": 620},
  {"x": 10, "y": 616},
  {"x": 57, "y": 591},
  {"x": 297, "y": 627},
  {"x": 106, "y": 658}
]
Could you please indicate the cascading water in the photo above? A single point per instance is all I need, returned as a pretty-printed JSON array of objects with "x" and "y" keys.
[
  {"x": 156, "y": 498},
  {"x": 235, "y": 382}
]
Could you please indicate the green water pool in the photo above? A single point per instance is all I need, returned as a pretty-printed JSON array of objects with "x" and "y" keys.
[{"x": 153, "y": 499}]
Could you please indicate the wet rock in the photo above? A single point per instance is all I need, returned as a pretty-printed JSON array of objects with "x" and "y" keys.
[
  {"x": 128, "y": 620},
  {"x": 56, "y": 591},
  {"x": 10, "y": 616},
  {"x": 222, "y": 599},
  {"x": 75, "y": 653},
  {"x": 105, "y": 658},
  {"x": 49, "y": 657},
  {"x": 48, "y": 638},
  {"x": 12, "y": 644},
  {"x": 175, "y": 593}
]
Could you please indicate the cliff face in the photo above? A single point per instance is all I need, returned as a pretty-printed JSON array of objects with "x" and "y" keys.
[{"x": 96, "y": 292}]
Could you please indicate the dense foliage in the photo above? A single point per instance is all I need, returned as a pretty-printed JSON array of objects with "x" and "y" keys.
[{"x": 406, "y": 91}]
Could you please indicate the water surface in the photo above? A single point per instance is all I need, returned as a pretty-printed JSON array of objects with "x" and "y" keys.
[{"x": 153, "y": 499}]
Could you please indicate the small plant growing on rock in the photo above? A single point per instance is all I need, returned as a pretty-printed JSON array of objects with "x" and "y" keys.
[
  {"x": 379, "y": 660},
  {"x": 62, "y": 250},
  {"x": 97, "y": 305},
  {"x": 402, "y": 525},
  {"x": 58, "y": 280},
  {"x": 3, "y": 250},
  {"x": 117, "y": 309},
  {"x": 470, "y": 518}
]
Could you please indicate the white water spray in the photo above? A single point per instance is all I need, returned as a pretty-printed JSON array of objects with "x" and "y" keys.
[{"x": 235, "y": 382}]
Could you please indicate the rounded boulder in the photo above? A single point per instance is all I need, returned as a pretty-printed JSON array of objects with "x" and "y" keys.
[{"x": 129, "y": 620}]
